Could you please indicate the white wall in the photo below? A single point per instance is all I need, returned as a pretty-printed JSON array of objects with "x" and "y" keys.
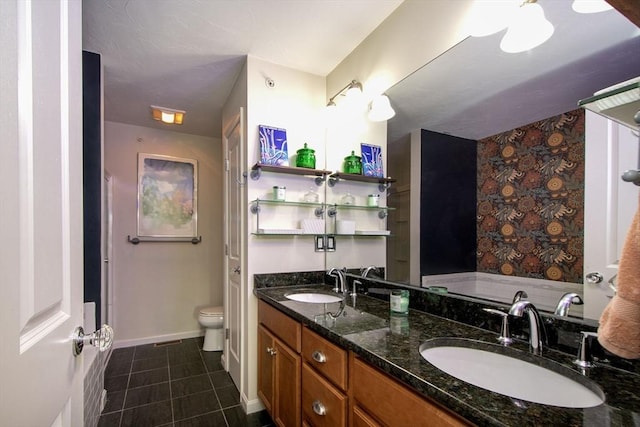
[
  {"x": 295, "y": 103},
  {"x": 158, "y": 288},
  {"x": 417, "y": 32}
]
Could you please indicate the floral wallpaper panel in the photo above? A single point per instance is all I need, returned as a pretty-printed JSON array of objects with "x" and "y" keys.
[{"x": 531, "y": 200}]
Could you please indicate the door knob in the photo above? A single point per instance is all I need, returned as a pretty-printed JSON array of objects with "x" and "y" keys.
[
  {"x": 594, "y": 278},
  {"x": 102, "y": 339}
]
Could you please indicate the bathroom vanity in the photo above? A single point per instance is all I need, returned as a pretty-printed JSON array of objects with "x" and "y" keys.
[{"x": 361, "y": 366}]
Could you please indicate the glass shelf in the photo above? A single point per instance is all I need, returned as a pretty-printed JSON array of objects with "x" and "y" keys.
[
  {"x": 619, "y": 103},
  {"x": 362, "y": 207},
  {"x": 287, "y": 203},
  {"x": 319, "y": 174},
  {"x": 364, "y": 234},
  {"x": 383, "y": 183},
  {"x": 277, "y": 234}
]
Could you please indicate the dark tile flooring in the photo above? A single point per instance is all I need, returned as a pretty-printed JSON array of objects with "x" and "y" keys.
[{"x": 172, "y": 385}]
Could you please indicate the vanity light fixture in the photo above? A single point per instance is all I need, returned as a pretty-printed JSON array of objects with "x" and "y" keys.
[
  {"x": 528, "y": 28},
  {"x": 352, "y": 90},
  {"x": 167, "y": 115},
  {"x": 380, "y": 109},
  {"x": 590, "y": 6}
]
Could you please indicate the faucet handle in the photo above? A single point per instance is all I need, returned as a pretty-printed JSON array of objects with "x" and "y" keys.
[
  {"x": 505, "y": 337},
  {"x": 585, "y": 349}
]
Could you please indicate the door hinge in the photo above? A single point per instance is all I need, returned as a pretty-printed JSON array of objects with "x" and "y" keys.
[
  {"x": 226, "y": 334},
  {"x": 226, "y": 165},
  {"x": 226, "y": 249}
]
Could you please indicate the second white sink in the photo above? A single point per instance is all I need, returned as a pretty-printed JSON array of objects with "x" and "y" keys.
[
  {"x": 511, "y": 376},
  {"x": 313, "y": 297}
]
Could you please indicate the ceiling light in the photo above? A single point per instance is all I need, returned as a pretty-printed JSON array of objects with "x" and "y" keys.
[
  {"x": 167, "y": 115},
  {"x": 529, "y": 28},
  {"x": 590, "y": 6},
  {"x": 381, "y": 109}
]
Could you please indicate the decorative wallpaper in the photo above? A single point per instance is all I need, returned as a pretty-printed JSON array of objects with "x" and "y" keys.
[{"x": 531, "y": 200}]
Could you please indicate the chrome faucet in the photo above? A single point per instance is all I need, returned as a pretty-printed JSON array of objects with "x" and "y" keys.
[
  {"x": 519, "y": 296},
  {"x": 537, "y": 333},
  {"x": 340, "y": 279},
  {"x": 365, "y": 271},
  {"x": 565, "y": 303}
]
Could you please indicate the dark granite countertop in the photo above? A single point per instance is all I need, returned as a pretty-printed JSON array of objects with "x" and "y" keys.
[{"x": 392, "y": 344}]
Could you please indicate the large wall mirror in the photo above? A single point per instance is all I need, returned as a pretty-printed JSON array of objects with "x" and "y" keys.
[{"x": 474, "y": 90}]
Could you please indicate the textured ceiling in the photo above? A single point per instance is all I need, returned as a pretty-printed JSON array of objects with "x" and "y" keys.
[
  {"x": 475, "y": 90},
  {"x": 186, "y": 54}
]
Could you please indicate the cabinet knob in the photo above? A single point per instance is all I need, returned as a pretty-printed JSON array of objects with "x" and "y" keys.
[
  {"x": 319, "y": 408},
  {"x": 319, "y": 356},
  {"x": 271, "y": 351}
]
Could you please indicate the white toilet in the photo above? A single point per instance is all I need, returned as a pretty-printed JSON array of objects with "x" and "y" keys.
[{"x": 212, "y": 319}]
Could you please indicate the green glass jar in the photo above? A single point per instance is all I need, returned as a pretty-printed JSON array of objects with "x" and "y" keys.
[
  {"x": 306, "y": 158},
  {"x": 353, "y": 164}
]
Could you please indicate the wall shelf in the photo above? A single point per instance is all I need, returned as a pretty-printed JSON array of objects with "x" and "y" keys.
[
  {"x": 319, "y": 174},
  {"x": 383, "y": 183},
  {"x": 619, "y": 102},
  {"x": 382, "y": 210}
]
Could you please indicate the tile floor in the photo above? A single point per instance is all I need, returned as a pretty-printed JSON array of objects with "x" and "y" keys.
[{"x": 173, "y": 385}]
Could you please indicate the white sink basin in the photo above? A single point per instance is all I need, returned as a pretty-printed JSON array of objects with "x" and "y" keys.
[
  {"x": 314, "y": 297},
  {"x": 511, "y": 376}
]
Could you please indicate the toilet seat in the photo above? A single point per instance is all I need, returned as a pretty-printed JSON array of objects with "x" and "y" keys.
[{"x": 212, "y": 311}]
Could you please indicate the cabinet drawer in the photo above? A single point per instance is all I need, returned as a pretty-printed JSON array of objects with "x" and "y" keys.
[
  {"x": 322, "y": 403},
  {"x": 327, "y": 358},
  {"x": 282, "y": 326},
  {"x": 394, "y": 404}
]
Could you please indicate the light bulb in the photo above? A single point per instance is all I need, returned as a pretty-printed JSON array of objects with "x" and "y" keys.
[
  {"x": 381, "y": 109},
  {"x": 590, "y": 6},
  {"x": 490, "y": 16},
  {"x": 528, "y": 29}
]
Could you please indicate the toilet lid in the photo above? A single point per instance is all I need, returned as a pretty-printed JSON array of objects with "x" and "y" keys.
[{"x": 212, "y": 311}]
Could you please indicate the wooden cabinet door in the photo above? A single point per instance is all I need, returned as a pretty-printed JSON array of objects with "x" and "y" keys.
[
  {"x": 287, "y": 411},
  {"x": 362, "y": 419},
  {"x": 265, "y": 368}
]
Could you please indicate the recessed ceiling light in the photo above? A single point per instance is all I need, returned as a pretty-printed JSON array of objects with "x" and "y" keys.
[{"x": 167, "y": 115}]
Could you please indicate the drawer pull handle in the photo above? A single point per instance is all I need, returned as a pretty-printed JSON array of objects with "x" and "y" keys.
[
  {"x": 319, "y": 356},
  {"x": 319, "y": 408}
]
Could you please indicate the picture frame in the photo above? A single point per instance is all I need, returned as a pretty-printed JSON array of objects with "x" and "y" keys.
[
  {"x": 372, "y": 164},
  {"x": 273, "y": 146},
  {"x": 167, "y": 205}
]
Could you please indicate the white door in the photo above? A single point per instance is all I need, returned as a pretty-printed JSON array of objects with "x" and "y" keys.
[
  {"x": 609, "y": 204},
  {"x": 234, "y": 246},
  {"x": 41, "y": 212}
]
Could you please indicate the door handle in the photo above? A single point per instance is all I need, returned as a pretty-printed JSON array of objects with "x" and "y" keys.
[
  {"x": 594, "y": 278},
  {"x": 102, "y": 339}
]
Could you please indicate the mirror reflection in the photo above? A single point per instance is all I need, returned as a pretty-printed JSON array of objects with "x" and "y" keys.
[{"x": 529, "y": 216}]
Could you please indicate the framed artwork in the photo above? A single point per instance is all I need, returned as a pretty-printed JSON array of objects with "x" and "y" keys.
[
  {"x": 372, "y": 160},
  {"x": 167, "y": 196},
  {"x": 273, "y": 146}
]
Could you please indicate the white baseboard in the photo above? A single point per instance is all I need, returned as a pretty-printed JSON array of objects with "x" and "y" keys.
[
  {"x": 251, "y": 406},
  {"x": 157, "y": 338}
]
